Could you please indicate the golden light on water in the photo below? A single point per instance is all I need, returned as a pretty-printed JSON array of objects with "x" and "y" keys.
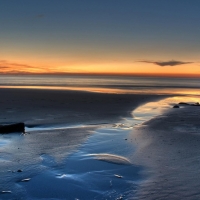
[{"x": 192, "y": 92}]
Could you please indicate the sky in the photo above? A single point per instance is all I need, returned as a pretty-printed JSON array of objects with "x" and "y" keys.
[{"x": 100, "y": 36}]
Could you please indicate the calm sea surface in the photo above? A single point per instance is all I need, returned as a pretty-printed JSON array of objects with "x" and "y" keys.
[{"x": 111, "y": 84}]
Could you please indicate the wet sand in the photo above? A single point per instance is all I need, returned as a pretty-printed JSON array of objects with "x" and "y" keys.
[
  {"x": 169, "y": 147},
  {"x": 39, "y": 151},
  {"x": 91, "y": 153},
  {"x": 40, "y": 107}
]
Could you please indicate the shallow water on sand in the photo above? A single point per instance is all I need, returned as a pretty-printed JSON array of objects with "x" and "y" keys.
[
  {"x": 100, "y": 168},
  {"x": 89, "y": 174}
]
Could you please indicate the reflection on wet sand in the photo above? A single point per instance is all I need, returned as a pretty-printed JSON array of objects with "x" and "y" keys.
[{"x": 143, "y": 90}]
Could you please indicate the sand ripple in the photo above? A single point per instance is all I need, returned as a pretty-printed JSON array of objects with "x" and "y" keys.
[{"x": 111, "y": 158}]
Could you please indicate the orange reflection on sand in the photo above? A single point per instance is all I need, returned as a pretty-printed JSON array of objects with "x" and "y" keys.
[
  {"x": 147, "y": 111},
  {"x": 98, "y": 90},
  {"x": 194, "y": 98}
]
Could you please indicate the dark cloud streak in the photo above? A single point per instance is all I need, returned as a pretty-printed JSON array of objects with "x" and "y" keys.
[
  {"x": 12, "y": 67},
  {"x": 166, "y": 63},
  {"x": 7, "y": 64}
]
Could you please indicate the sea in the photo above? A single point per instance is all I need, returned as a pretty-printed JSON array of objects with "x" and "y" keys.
[{"x": 105, "y": 84}]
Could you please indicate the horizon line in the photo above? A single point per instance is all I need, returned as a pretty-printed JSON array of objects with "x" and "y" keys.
[{"x": 108, "y": 74}]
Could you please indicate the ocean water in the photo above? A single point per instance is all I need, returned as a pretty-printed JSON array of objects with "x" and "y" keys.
[{"x": 108, "y": 84}]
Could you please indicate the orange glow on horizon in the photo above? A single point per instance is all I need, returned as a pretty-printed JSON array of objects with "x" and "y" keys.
[{"x": 120, "y": 68}]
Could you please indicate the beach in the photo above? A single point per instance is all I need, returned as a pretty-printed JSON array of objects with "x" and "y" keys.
[
  {"x": 89, "y": 145},
  {"x": 57, "y": 123},
  {"x": 169, "y": 148},
  {"x": 38, "y": 107}
]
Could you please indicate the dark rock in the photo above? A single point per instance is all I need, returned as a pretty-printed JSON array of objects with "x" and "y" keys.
[
  {"x": 19, "y": 170},
  {"x": 195, "y": 104},
  {"x": 11, "y": 128},
  {"x": 183, "y": 103},
  {"x": 176, "y": 106}
]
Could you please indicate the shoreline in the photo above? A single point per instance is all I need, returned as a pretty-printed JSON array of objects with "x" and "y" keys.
[
  {"x": 168, "y": 147},
  {"x": 55, "y": 155},
  {"x": 48, "y": 150},
  {"x": 43, "y": 107}
]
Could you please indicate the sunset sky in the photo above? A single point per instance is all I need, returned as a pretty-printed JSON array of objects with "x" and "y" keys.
[{"x": 100, "y": 36}]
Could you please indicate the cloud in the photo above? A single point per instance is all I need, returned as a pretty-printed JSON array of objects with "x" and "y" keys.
[
  {"x": 12, "y": 67},
  {"x": 6, "y": 64},
  {"x": 167, "y": 63}
]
